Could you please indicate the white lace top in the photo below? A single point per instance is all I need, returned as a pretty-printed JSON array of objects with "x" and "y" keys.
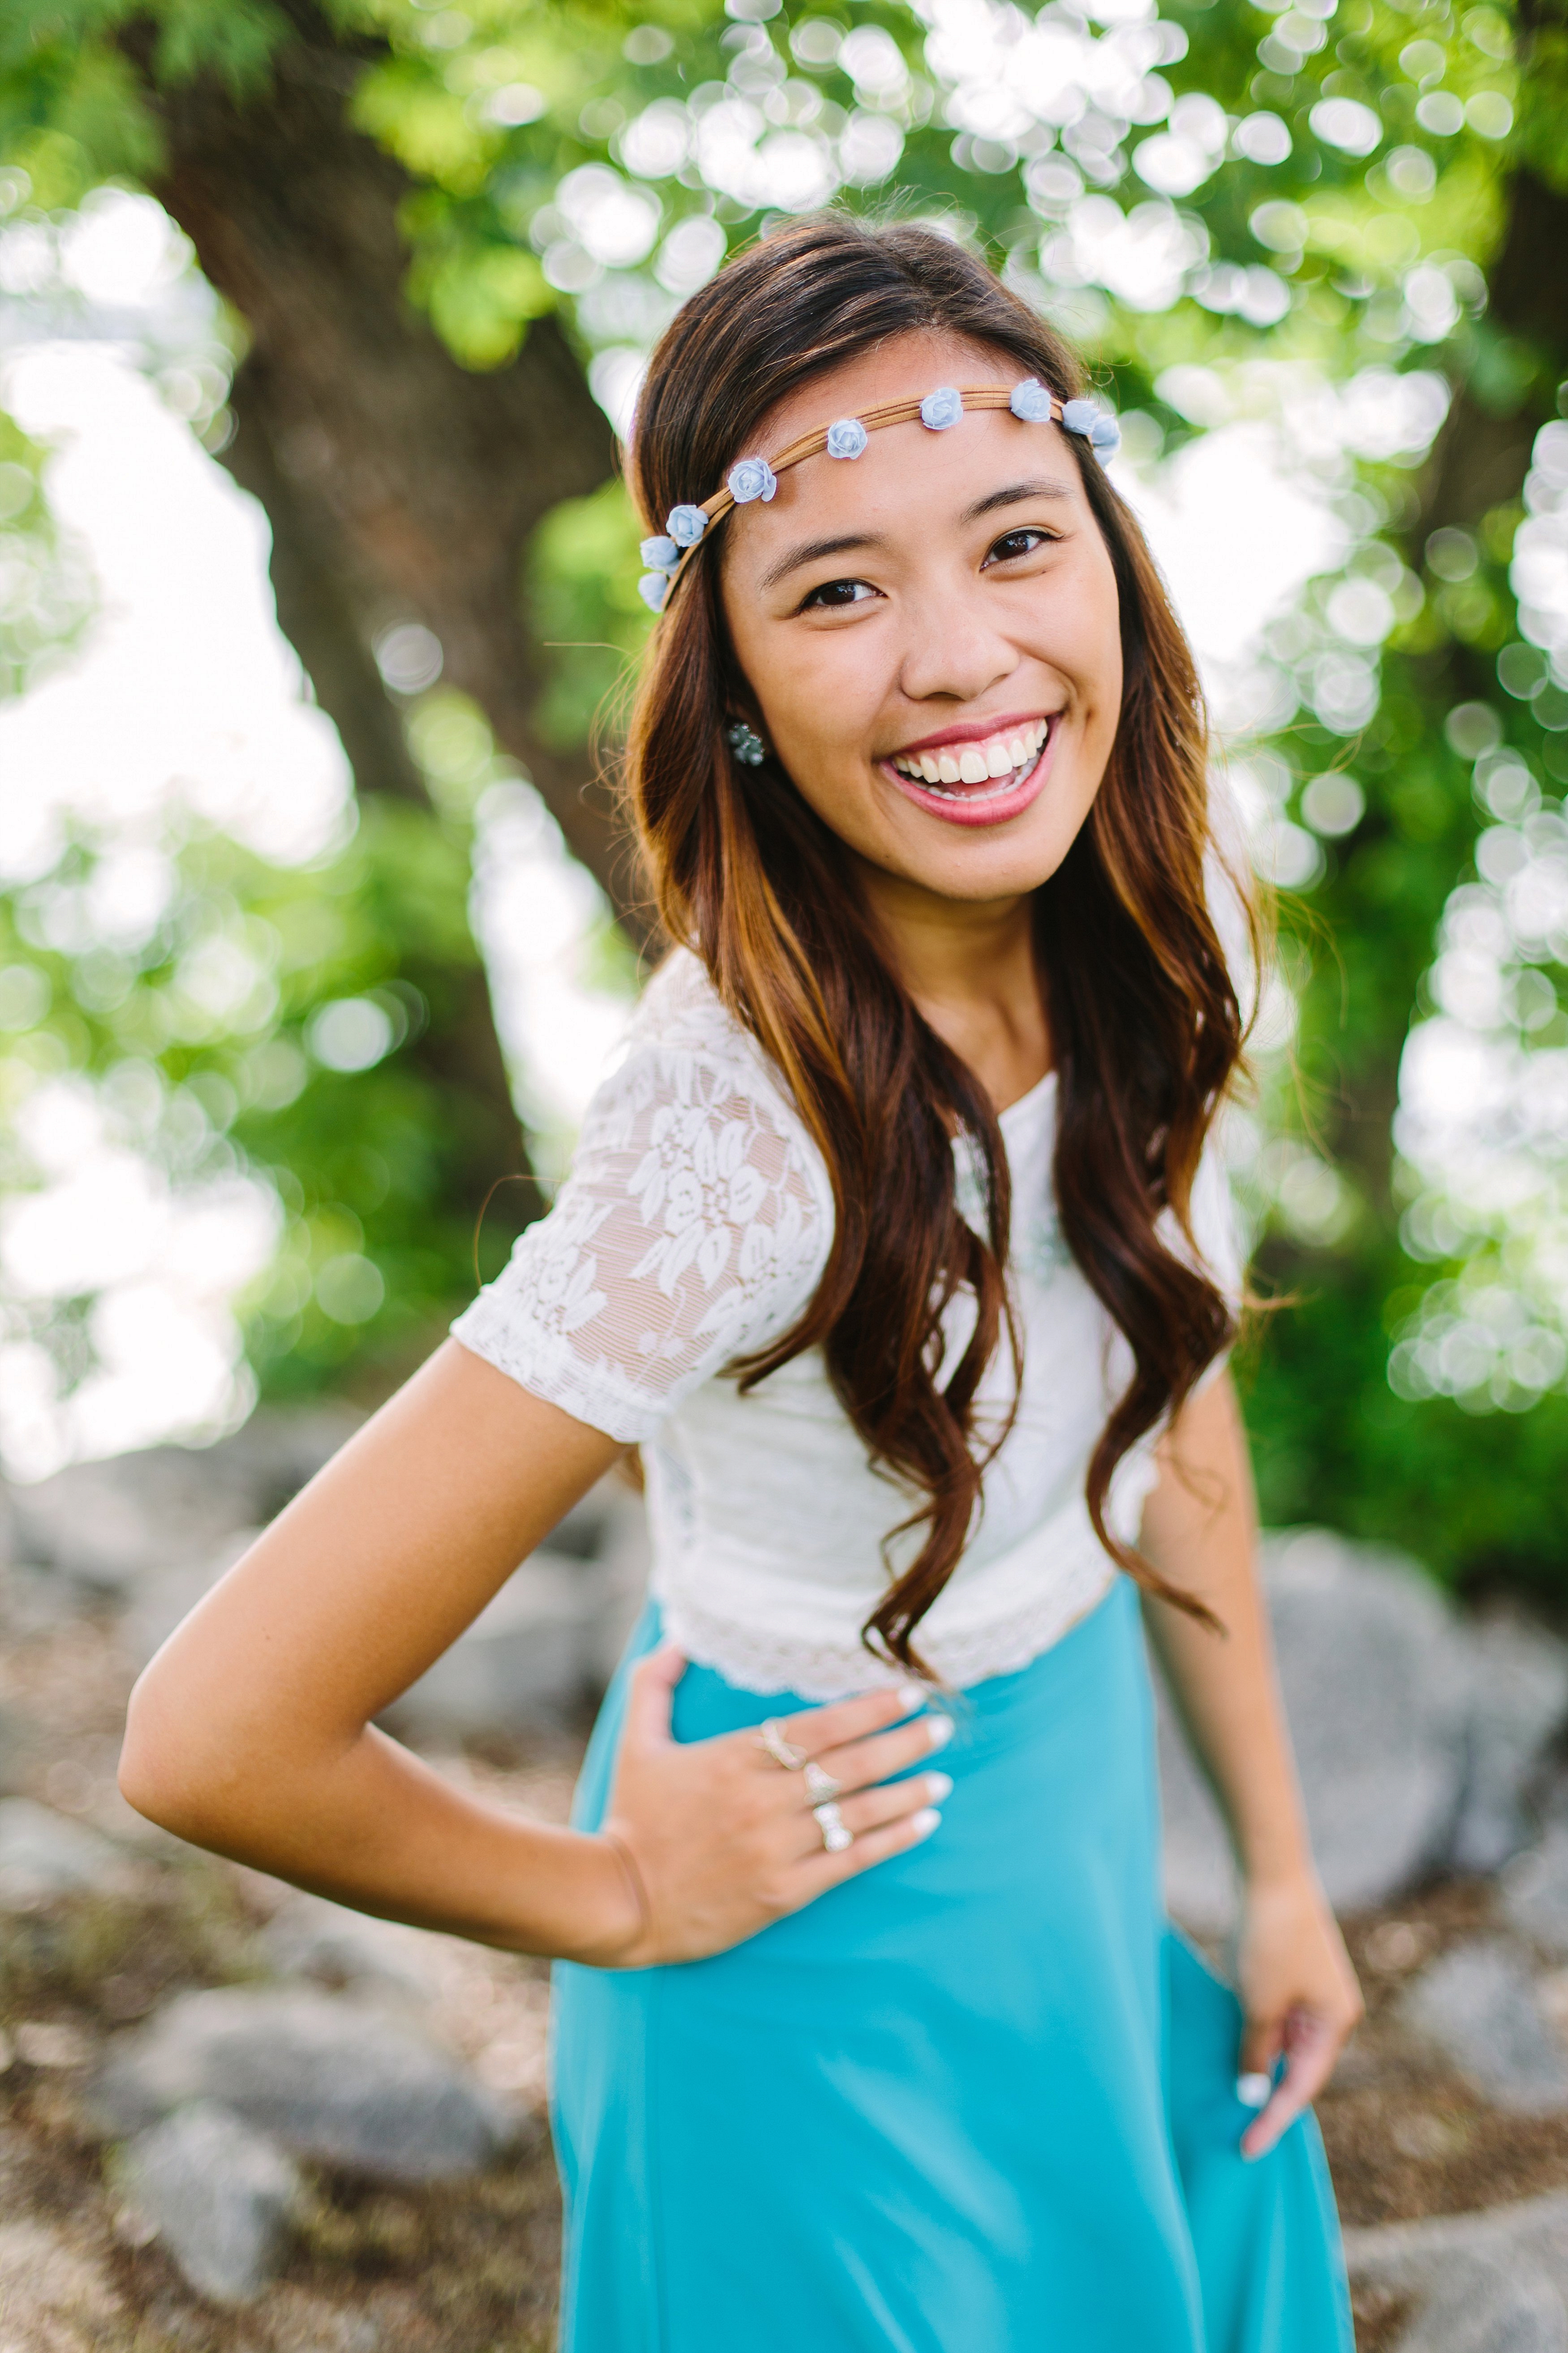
[{"x": 694, "y": 1227}]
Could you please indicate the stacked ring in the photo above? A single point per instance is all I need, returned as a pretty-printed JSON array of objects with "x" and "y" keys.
[
  {"x": 783, "y": 1752},
  {"x": 835, "y": 1833}
]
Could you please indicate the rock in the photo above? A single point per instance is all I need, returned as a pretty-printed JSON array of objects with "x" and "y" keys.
[
  {"x": 624, "y": 1558},
  {"x": 523, "y": 1661},
  {"x": 108, "y": 1524},
  {"x": 1535, "y": 1892},
  {"x": 328, "y": 2076},
  {"x": 159, "y": 1600},
  {"x": 44, "y": 1856},
  {"x": 53, "y": 2293},
  {"x": 1478, "y": 2004},
  {"x": 309, "y": 1937},
  {"x": 1377, "y": 1691},
  {"x": 219, "y": 2196},
  {"x": 547, "y": 1643},
  {"x": 1491, "y": 2282},
  {"x": 1519, "y": 1702},
  {"x": 19, "y": 1740}
]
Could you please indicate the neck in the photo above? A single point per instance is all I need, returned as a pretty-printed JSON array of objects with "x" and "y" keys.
[{"x": 970, "y": 966}]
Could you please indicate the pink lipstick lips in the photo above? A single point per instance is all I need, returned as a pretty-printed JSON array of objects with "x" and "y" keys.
[{"x": 980, "y": 773}]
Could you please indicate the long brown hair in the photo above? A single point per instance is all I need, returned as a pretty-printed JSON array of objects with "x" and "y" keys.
[{"x": 1145, "y": 1019}]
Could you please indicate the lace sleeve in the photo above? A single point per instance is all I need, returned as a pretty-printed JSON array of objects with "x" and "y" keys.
[{"x": 694, "y": 1226}]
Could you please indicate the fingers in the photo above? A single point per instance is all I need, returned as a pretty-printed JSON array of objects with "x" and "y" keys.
[
  {"x": 874, "y": 1813},
  {"x": 650, "y": 1696},
  {"x": 858, "y": 1763},
  {"x": 824, "y": 1870},
  {"x": 1312, "y": 2045},
  {"x": 873, "y": 1809},
  {"x": 818, "y": 1729}
]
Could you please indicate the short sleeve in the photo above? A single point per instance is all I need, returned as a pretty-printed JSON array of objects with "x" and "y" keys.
[{"x": 693, "y": 1228}]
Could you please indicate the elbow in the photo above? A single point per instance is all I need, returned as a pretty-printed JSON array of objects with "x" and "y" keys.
[{"x": 167, "y": 1768}]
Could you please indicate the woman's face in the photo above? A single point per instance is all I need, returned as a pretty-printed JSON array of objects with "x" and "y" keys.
[{"x": 930, "y": 631}]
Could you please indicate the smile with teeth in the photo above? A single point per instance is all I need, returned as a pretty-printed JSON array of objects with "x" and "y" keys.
[{"x": 996, "y": 759}]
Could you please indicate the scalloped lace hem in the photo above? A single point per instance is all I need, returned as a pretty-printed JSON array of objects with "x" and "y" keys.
[{"x": 754, "y": 1660}]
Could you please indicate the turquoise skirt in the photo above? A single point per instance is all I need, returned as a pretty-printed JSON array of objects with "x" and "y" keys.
[{"x": 980, "y": 2100}]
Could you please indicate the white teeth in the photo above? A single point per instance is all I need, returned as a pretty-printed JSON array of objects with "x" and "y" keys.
[{"x": 994, "y": 761}]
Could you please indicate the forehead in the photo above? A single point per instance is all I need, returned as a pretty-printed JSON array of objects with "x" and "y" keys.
[{"x": 904, "y": 467}]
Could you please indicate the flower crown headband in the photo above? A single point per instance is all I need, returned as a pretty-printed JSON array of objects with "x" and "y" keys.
[{"x": 757, "y": 478}]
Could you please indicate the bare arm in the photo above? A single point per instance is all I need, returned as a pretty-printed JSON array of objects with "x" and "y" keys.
[
  {"x": 1200, "y": 1532},
  {"x": 251, "y": 1731}
]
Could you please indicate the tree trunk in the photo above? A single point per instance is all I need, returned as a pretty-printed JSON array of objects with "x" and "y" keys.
[
  {"x": 1479, "y": 462},
  {"x": 419, "y": 481}
]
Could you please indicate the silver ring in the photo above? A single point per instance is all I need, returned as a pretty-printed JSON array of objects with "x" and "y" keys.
[
  {"x": 835, "y": 1833},
  {"x": 782, "y": 1752},
  {"x": 820, "y": 1783}
]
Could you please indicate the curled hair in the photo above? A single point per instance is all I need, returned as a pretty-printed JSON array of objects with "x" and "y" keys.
[{"x": 1145, "y": 1022}]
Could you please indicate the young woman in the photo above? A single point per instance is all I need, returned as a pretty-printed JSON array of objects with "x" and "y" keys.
[{"x": 898, "y": 1246}]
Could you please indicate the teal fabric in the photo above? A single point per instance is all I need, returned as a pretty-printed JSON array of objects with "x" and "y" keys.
[{"x": 980, "y": 2100}]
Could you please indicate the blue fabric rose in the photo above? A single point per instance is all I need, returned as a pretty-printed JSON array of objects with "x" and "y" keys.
[
  {"x": 659, "y": 554},
  {"x": 941, "y": 408},
  {"x": 754, "y": 478},
  {"x": 653, "y": 588},
  {"x": 1102, "y": 432},
  {"x": 847, "y": 439},
  {"x": 686, "y": 525},
  {"x": 1031, "y": 402}
]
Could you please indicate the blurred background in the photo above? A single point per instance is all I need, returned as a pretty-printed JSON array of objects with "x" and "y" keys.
[{"x": 318, "y": 607}]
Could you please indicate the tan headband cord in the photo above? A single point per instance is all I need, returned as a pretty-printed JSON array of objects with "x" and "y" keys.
[{"x": 757, "y": 478}]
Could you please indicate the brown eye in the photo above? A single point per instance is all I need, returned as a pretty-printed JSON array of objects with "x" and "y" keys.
[
  {"x": 836, "y": 593},
  {"x": 1014, "y": 543}
]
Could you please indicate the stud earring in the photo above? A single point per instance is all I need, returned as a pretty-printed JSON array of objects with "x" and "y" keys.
[{"x": 746, "y": 744}]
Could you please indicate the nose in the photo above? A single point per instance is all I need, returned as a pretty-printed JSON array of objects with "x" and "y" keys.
[{"x": 952, "y": 650}]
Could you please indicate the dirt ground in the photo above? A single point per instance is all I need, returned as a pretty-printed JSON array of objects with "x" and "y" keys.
[{"x": 471, "y": 2267}]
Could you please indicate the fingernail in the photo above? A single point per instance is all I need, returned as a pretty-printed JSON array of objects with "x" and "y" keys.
[
  {"x": 1253, "y": 2091},
  {"x": 909, "y": 1696},
  {"x": 925, "y": 1821},
  {"x": 938, "y": 1730},
  {"x": 937, "y": 1787}
]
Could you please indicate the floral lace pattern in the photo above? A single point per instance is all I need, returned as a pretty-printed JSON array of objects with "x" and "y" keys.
[
  {"x": 693, "y": 1228},
  {"x": 757, "y": 1659}
]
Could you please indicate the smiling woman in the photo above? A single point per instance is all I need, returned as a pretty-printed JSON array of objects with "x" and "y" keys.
[{"x": 899, "y": 1246}]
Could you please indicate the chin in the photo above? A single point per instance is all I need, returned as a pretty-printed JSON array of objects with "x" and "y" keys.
[{"x": 975, "y": 866}]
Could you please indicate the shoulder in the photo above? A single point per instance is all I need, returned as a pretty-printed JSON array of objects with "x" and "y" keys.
[
  {"x": 683, "y": 1044},
  {"x": 681, "y": 1011}
]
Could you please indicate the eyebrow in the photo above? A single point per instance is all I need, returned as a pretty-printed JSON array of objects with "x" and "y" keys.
[{"x": 813, "y": 551}]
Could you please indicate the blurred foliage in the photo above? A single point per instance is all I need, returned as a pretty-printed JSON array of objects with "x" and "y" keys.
[
  {"x": 1227, "y": 207},
  {"x": 45, "y": 593},
  {"x": 242, "y": 1018},
  {"x": 581, "y": 588}
]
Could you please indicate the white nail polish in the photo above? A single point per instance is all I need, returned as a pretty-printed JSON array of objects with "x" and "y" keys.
[
  {"x": 1253, "y": 2091},
  {"x": 937, "y": 1787},
  {"x": 911, "y": 1696},
  {"x": 938, "y": 1730},
  {"x": 925, "y": 1821}
]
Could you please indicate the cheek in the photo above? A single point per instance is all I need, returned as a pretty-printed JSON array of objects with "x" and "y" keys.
[{"x": 817, "y": 695}]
